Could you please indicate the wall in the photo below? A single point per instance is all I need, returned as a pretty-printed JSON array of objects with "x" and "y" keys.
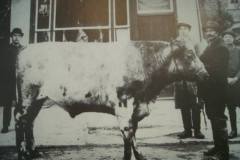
[
  {"x": 187, "y": 11},
  {"x": 20, "y": 17},
  {"x": 152, "y": 27}
]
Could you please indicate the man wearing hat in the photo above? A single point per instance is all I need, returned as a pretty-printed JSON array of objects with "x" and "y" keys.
[
  {"x": 8, "y": 86},
  {"x": 186, "y": 93},
  {"x": 213, "y": 90},
  {"x": 233, "y": 90}
]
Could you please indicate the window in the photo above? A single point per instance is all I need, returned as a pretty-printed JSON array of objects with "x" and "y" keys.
[
  {"x": 42, "y": 20},
  {"x": 234, "y": 1},
  {"x": 64, "y": 20},
  {"x": 152, "y": 7},
  {"x": 233, "y": 4}
]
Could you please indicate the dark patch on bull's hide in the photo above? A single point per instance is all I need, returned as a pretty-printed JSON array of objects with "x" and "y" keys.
[
  {"x": 151, "y": 54},
  {"x": 88, "y": 95},
  {"x": 77, "y": 108},
  {"x": 69, "y": 67},
  {"x": 64, "y": 91}
]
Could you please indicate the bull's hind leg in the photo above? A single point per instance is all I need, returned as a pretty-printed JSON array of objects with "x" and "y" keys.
[{"x": 24, "y": 131}]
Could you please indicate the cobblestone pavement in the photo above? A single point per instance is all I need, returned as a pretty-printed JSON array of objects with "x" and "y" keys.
[{"x": 97, "y": 136}]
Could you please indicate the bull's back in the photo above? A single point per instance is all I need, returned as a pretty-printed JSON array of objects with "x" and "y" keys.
[{"x": 79, "y": 68}]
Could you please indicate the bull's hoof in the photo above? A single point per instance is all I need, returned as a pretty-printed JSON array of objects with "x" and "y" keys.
[
  {"x": 36, "y": 154},
  {"x": 139, "y": 156}
]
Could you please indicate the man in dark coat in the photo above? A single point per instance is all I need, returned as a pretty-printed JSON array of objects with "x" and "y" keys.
[
  {"x": 213, "y": 90},
  {"x": 233, "y": 90},
  {"x": 186, "y": 93},
  {"x": 8, "y": 81}
]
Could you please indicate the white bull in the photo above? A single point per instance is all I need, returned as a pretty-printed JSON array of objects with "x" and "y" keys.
[{"x": 99, "y": 77}]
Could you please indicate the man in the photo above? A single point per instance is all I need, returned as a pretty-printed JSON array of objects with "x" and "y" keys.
[
  {"x": 186, "y": 94},
  {"x": 233, "y": 91},
  {"x": 9, "y": 77},
  {"x": 213, "y": 91}
]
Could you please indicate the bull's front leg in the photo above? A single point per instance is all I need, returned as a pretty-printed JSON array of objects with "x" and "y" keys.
[
  {"x": 129, "y": 131},
  {"x": 140, "y": 112}
]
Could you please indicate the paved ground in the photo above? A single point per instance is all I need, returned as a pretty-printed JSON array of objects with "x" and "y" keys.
[{"x": 97, "y": 136}]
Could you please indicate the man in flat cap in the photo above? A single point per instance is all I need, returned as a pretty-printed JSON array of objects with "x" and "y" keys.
[
  {"x": 233, "y": 90},
  {"x": 186, "y": 94},
  {"x": 8, "y": 86},
  {"x": 213, "y": 91}
]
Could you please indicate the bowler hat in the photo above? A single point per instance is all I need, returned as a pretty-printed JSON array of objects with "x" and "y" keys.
[
  {"x": 17, "y": 31},
  {"x": 184, "y": 24}
]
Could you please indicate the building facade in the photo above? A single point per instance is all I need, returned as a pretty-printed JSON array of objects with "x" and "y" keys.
[{"x": 105, "y": 21}]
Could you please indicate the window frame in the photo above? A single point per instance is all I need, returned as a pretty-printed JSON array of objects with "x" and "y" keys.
[
  {"x": 155, "y": 12},
  {"x": 52, "y": 29},
  {"x": 36, "y": 29}
]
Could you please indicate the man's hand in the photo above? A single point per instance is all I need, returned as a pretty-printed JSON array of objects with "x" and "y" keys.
[
  {"x": 232, "y": 81},
  {"x": 18, "y": 116}
]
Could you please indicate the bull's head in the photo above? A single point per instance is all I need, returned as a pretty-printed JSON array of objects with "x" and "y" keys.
[
  {"x": 168, "y": 63},
  {"x": 185, "y": 64}
]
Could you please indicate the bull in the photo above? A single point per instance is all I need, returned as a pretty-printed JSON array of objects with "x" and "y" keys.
[{"x": 113, "y": 78}]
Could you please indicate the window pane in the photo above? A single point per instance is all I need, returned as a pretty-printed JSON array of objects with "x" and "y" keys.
[
  {"x": 59, "y": 36},
  {"x": 43, "y": 13},
  {"x": 98, "y": 35},
  {"x": 75, "y": 35},
  {"x": 72, "y": 13},
  {"x": 42, "y": 36},
  {"x": 121, "y": 12}
]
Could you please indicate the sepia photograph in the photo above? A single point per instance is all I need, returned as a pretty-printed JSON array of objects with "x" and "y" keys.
[{"x": 119, "y": 79}]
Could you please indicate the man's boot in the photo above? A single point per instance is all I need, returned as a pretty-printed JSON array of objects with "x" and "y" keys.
[
  {"x": 187, "y": 124},
  {"x": 212, "y": 151},
  {"x": 220, "y": 134}
]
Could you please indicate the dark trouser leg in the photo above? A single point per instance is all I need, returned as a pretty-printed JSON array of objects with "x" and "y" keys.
[
  {"x": 7, "y": 114},
  {"x": 221, "y": 138},
  {"x": 215, "y": 112},
  {"x": 233, "y": 117},
  {"x": 187, "y": 119},
  {"x": 196, "y": 119}
]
